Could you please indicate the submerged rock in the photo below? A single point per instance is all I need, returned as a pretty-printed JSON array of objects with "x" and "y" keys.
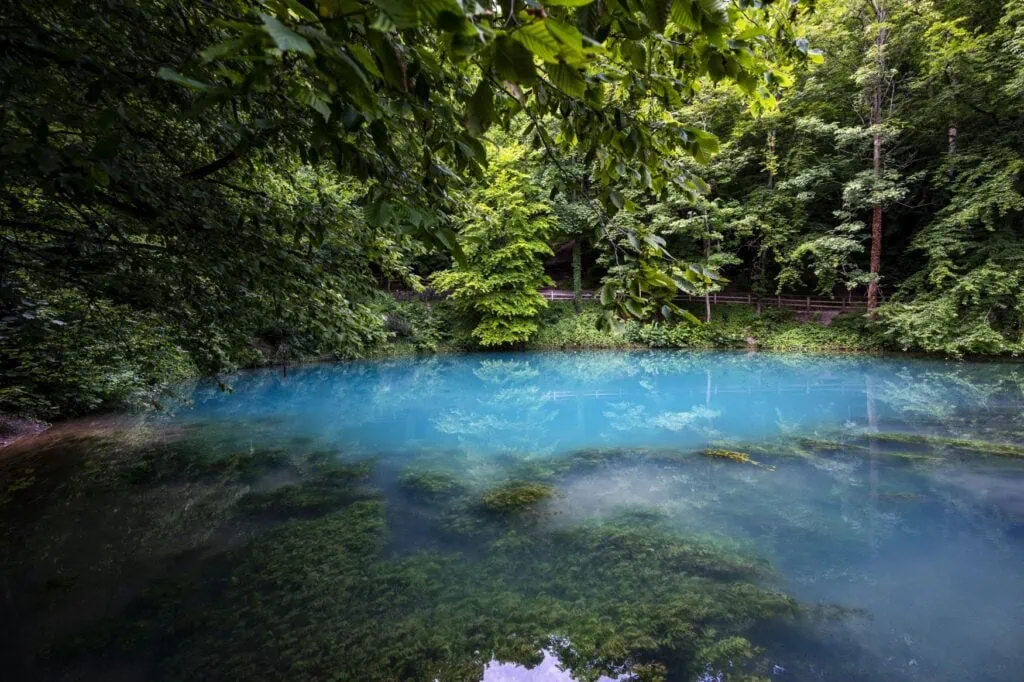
[
  {"x": 516, "y": 497},
  {"x": 430, "y": 483}
]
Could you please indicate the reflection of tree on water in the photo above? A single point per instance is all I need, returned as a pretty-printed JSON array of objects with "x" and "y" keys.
[
  {"x": 347, "y": 389},
  {"x": 513, "y": 411},
  {"x": 505, "y": 371},
  {"x": 632, "y": 417}
]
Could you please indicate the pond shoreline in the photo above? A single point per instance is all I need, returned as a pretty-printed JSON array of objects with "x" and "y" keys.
[{"x": 16, "y": 428}]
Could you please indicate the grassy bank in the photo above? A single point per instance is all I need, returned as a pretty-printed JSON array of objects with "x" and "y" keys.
[{"x": 428, "y": 327}]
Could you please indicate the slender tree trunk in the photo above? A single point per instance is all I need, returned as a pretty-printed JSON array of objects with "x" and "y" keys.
[
  {"x": 707, "y": 293},
  {"x": 877, "y": 97},
  {"x": 952, "y": 149},
  {"x": 952, "y": 133},
  {"x": 577, "y": 274}
]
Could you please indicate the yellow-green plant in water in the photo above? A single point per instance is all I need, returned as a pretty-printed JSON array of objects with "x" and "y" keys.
[{"x": 734, "y": 456}]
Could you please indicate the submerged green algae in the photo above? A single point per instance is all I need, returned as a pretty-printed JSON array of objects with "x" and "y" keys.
[
  {"x": 732, "y": 456},
  {"x": 282, "y": 563},
  {"x": 516, "y": 497},
  {"x": 430, "y": 483},
  {"x": 982, "y": 447}
]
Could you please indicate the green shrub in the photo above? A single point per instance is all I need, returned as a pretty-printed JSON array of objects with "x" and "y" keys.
[
  {"x": 683, "y": 335},
  {"x": 419, "y": 326},
  {"x": 67, "y": 356},
  {"x": 846, "y": 333},
  {"x": 562, "y": 327}
]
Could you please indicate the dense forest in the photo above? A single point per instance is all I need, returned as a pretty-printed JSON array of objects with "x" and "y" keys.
[{"x": 193, "y": 187}]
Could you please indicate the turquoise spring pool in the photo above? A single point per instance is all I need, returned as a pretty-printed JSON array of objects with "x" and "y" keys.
[{"x": 532, "y": 516}]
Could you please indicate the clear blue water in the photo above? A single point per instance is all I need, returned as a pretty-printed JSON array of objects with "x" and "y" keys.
[{"x": 866, "y": 492}]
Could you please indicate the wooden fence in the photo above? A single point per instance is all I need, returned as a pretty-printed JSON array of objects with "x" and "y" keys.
[{"x": 808, "y": 304}]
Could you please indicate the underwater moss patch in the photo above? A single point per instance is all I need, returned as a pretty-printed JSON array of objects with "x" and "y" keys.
[
  {"x": 299, "y": 499},
  {"x": 825, "y": 445},
  {"x": 324, "y": 586},
  {"x": 732, "y": 455},
  {"x": 968, "y": 445},
  {"x": 515, "y": 497},
  {"x": 430, "y": 483},
  {"x": 324, "y": 595},
  {"x": 898, "y": 496}
]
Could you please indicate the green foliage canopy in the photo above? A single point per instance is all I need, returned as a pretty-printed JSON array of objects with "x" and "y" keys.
[{"x": 504, "y": 239}]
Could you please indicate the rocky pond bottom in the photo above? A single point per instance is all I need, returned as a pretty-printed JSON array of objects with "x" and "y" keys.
[{"x": 545, "y": 517}]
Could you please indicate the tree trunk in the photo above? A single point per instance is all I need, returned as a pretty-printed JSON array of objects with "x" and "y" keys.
[
  {"x": 577, "y": 274},
  {"x": 952, "y": 149},
  {"x": 707, "y": 257},
  {"x": 877, "y": 97},
  {"x": 876, "y": 258}
]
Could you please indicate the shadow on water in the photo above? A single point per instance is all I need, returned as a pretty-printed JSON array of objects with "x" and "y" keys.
[{"x": 539, "y": 517}]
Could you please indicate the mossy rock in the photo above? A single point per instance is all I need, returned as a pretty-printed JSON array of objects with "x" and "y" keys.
[
  {"x": 516, "y": 497},
  {"x": 427, "y": 483}
]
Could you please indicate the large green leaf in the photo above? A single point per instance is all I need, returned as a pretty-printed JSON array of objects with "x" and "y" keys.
[
  {"x": 391, "y": 65},
  {"x": 567, "y": 79},
  {"x": 569, "y": 37},
  {"x": 226, "y": 48},
  {"x": 657, "y": 13},
  {"x": 513, "y": 62},
  {"x": 302, "y": 11},
  {"x": 315, "y": 102},
  {"x": 365, "y": 59},
  {"x": 688, "y": 316},
  {"x": 608, "y": 293},
  {"x": 481, "y": 109},
  {"x": 537, "y": 39},
  {"x": 635, "y": 309},
  {"x": 168, "y": 74},
  {"x": 286, "y": 39},
  {"x": 685, "y": 15},
  {"x": 403, "y": 13}
]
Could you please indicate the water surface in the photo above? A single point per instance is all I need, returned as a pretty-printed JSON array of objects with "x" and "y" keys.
[{"x": 655, "y": 515}]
